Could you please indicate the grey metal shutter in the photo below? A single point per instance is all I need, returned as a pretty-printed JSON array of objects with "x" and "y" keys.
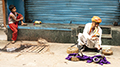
[{"x": 77, "y": 11}]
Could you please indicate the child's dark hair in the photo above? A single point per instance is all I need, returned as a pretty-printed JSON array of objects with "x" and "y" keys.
[{"x": 11, "y": 7}]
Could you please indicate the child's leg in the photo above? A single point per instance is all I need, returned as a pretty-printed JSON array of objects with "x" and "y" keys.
[
  {"x": 18, "y": 17},
  {"x": 22, "y": 23},
  {"x": 14, "y": 29}
]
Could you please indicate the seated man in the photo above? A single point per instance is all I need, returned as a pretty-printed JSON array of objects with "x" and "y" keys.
[{"x": 91, "y": 36}]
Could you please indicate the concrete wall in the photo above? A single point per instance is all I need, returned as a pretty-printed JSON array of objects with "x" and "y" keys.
[
  {"x": 32, "y": 33},
  {"x": 116, "y": 35},
  {"x": 50, "y": 32},
  {"x": 63, "y": 33},
  {"x": 50, "y": 35},
  {"x": 1, "y": 12}
]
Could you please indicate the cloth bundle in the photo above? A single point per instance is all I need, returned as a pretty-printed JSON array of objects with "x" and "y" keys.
[{"x": 102, "y": 60}]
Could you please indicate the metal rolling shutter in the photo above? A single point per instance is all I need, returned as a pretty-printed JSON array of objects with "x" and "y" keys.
[{"x": 77, "y": 11}]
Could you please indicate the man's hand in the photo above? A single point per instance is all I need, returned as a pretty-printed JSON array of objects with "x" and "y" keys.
[
  {"x": 98, "y": 47},
  {"x": 94, "y": 38}
]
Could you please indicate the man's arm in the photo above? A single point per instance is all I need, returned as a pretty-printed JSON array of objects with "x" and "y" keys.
[
  {"x": 100, "y": 32},
  {"x": 86, "y": 30}
]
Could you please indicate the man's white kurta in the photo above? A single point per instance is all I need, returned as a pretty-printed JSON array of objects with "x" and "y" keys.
[{"x": 89, "y": 36}]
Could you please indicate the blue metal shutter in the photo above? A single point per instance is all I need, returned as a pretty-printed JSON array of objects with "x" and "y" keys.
[{"x": 77, "y": 11}]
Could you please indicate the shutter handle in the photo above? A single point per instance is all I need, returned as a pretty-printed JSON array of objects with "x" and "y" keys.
[{"x": 70, "y": 22}]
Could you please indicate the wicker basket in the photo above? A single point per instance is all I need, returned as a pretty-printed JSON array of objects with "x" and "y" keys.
[{"x": 72, "y": 50}]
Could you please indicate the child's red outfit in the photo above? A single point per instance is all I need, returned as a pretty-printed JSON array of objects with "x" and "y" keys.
[{"x": 14, "y": 25}]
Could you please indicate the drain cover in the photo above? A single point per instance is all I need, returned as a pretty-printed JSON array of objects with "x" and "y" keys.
[
  {"x": 36, "y": 49},
  {"x": 25, "y": 47}
]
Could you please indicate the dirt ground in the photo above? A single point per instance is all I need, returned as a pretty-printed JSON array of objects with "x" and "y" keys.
[{"x": 54, "y": 57}]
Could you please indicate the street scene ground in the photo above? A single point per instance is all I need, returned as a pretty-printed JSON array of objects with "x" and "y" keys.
[{"x": 54, "y": 56}]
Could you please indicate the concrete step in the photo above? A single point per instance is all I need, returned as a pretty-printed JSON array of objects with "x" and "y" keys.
[
  {"x": 103, "y": 36},
  {"x": 106, "y": 36},
  {"x": 105, "y": 30}
]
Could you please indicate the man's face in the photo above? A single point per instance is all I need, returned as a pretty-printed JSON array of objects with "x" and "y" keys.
[{"x": 94, "y": 24}]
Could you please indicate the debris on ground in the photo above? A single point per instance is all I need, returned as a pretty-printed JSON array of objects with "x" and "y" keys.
[{"x": 42, "y": 46}]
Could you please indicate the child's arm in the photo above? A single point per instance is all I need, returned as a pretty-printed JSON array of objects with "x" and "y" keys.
[
  {"x": 18, "y": 14},
  {"x": 11, "y": 16}
]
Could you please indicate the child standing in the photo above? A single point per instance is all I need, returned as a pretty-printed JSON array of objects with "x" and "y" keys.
[{"x": 13, "y": 21}]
